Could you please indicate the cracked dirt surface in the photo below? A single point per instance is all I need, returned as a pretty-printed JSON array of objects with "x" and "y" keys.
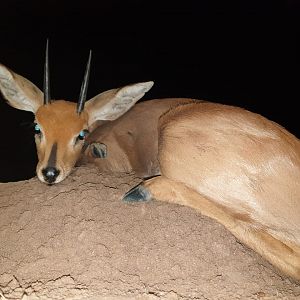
[{"x": 77, "y": 240}]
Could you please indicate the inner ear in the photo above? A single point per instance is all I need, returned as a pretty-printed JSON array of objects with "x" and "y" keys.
[
  {"x": 19, "y": 91},
  {"x": 112, "y": 104}
]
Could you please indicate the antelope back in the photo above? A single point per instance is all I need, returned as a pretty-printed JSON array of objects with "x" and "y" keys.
[{"x": 241, "y": 160}]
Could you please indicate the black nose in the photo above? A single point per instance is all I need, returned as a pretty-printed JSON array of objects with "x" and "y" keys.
[{"x": 50, "y": 174}]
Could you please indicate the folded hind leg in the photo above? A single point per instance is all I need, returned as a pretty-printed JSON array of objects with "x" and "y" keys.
[
  {"x": 164, "y": 189},
  {"x": 285, "y": 257}
]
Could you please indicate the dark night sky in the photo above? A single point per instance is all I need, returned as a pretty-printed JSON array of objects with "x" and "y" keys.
[{"x": 235, "y": 52}]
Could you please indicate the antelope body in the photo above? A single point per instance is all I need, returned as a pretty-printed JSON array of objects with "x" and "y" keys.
[
  {"x": 232, "y": 165},
  {"x": 236, "y": 167}
]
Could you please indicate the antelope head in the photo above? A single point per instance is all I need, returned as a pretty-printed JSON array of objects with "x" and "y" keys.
[{"x": 61, "y": 127}]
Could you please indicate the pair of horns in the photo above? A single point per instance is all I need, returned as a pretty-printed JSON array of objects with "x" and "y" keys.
[{"x": 84, "y": 85}]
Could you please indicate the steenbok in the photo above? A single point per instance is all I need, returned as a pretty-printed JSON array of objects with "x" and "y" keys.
[
  {"x": 230, "y": 164},
  {"x": 64, "y": 129}
]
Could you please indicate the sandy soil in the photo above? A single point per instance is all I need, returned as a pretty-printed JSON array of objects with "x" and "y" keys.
[{"x": 77, "y": 240}]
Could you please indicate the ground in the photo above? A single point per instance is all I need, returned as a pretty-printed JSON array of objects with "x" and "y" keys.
[{"x": 78, "y": 240}]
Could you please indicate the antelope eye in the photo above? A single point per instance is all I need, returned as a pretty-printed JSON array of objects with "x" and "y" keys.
[
  {"x": 82, "y": 134},
  {"x": 37, "y": 129}
]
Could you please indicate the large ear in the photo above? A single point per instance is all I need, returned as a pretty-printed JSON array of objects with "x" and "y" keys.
[
  {"x": 19, "y": 92},
  {"x": 112, "y": 104}
]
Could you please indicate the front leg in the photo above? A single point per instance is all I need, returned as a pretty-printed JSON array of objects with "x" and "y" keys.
[{"x": 163, "y": 189}]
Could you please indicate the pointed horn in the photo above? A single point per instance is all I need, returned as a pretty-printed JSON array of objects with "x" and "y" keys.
[
  {"x": 46, "y": 77},
  {"x": 84, "y": 86}
]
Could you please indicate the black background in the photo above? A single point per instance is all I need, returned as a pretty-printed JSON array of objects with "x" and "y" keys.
[{"x": 234, "y": 52}]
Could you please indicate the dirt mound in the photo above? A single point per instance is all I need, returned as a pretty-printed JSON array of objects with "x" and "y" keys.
[{"x": 77, "y": 240}]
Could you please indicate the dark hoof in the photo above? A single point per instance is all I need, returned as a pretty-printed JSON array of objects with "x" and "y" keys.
[
  {"x": 99, "y": 150},
  {"x": 137, "y": 194}
]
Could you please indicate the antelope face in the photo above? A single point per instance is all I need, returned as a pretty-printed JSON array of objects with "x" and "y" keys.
[
  {"x": 60, "y": 134},
  {"x": 61, "y": 126}
]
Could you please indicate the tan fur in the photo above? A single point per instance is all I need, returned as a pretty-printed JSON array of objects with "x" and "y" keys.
[
  {"x": 238, "y": 168},
  {"x": 132, "y": 139},
  {"x": 59, "y": 124}
]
